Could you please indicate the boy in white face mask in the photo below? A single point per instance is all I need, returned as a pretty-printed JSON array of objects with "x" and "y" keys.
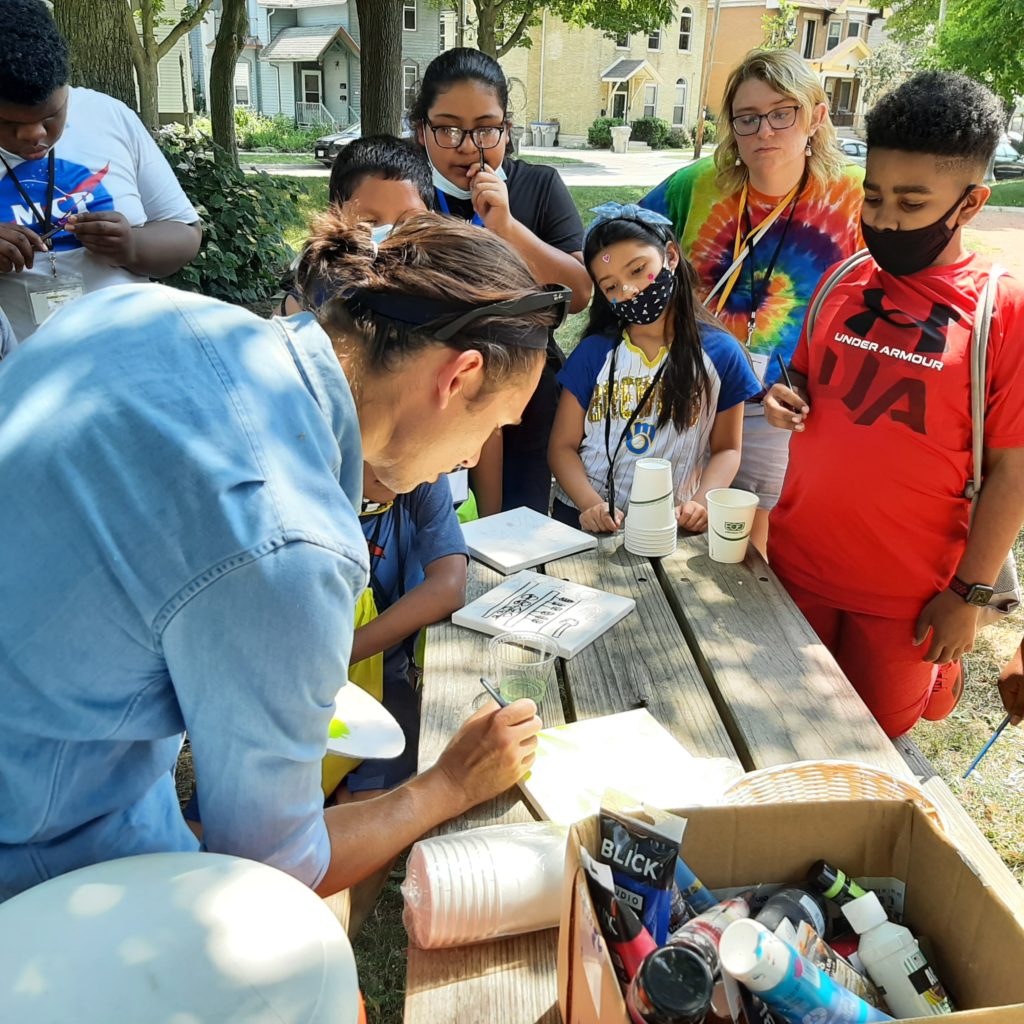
[
  {"x": 872, "y": 535},
  {"x": 383, "y": 180}
]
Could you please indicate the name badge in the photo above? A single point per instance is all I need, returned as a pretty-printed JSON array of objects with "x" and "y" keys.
[
  {"x": 47, "y": 295},
  {"x": 759, "y": 364}
]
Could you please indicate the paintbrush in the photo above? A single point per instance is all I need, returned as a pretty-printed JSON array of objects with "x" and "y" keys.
[
  {"x": 984, "y": 750},
  {"x": 501, "y": 702}
]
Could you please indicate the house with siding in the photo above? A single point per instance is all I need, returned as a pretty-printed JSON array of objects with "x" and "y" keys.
[
  {"x": 302, "y": 58},
  {"x": 575, "y": 75},
  {"x": 834, "y": 36}
]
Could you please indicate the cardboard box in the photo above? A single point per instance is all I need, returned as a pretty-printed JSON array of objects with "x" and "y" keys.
[{"x": 977, "y": 941}]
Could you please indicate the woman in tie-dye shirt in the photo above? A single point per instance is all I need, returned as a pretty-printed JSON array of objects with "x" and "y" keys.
[{"x": 778, "y": 175}]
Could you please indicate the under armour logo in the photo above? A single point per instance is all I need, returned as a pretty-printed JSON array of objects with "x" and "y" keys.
[{"x": 932, "y": 331}]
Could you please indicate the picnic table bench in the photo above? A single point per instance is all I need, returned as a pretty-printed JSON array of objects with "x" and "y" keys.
[{"x": 720, "y": 656}]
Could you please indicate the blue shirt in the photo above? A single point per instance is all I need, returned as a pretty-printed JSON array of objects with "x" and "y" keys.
[
  {"x": 179, "y": 550},
  {"x": 586, "y": 376}
]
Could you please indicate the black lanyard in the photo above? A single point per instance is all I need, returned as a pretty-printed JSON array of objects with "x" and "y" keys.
[
  {"x": 757, "y": 297},
  {"x": 44, "y": 219},
  {"x": 379, "y": 597},
  {"x": 629, "y": 423}
]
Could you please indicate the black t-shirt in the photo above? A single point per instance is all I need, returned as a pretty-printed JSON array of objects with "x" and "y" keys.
[{"x": 539, "y": 200}]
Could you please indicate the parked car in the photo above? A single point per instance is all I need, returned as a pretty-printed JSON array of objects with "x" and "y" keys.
[
  {"x": 326, "y": 148},
  {"x": 854, "y": 150},
  {"x": 1008, "y": 162}
]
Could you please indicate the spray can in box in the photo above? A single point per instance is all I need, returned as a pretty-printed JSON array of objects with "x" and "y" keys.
[
  {"x": 794, "y": 989},
  {"x": 894, "y": 961}
]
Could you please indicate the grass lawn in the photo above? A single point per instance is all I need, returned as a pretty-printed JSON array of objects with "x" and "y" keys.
[
  {"x": 245, "y": 159},
  {"x": 1008, "y": 193},
  {"x": 551, "y": 161}
]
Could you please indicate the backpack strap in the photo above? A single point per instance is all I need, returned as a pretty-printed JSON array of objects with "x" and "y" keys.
[
  {"x": 979, "y": 375},
  {"x": 838, "y": 273}
]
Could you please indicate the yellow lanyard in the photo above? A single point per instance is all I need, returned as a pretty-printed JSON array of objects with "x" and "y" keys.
[{"x": 742, "y": 246}]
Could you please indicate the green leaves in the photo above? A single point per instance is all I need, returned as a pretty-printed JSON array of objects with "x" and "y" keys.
[{"x": 244, "y": 253}]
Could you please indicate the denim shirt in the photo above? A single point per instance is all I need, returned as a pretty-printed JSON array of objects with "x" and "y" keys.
[{"x": 179, "y": 550}]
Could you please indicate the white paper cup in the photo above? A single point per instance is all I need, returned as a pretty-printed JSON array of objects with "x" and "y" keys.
[
  {"x": 659, "y": 514},
  {"x": 730, "y": 519},
  {"x": 652, "y": 480}
]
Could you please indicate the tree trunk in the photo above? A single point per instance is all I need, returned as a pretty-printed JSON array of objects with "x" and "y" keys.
[
  {"x": 231, "y": 33},
  {"x": 101, "y": 53},
  {"x": 149, "y": 84},
  {"x": 380, "y": 29},
  {"x": 487, "y": 29}
]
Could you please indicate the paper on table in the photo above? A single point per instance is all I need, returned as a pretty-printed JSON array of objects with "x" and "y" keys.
[
  {"x": 521, "y": 538},
  {"x": 630, "y": 752},
  {"x": 571, "y": 614}
]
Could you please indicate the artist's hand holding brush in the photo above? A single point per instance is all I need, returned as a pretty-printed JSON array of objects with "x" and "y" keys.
[{"x": 787, "y": 407}]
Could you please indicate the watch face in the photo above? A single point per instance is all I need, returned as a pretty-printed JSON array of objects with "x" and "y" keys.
[{"x": 979, "y": 595}]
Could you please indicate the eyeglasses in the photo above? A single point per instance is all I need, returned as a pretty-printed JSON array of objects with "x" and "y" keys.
[
  {"x": 450, "y": 137},
  {"x": 778, "y": 119}
]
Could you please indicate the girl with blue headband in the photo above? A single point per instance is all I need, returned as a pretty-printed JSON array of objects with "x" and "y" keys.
[{"x": 654, "y": 376}]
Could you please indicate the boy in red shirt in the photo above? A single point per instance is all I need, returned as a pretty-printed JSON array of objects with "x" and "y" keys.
[{"x": 871, "y": 534}]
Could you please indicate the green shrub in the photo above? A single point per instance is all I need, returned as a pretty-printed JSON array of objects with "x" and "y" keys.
[
  {"x": 278, "y": 133},
  {"x": 710, "y": 133},
  {"x": 652, "y": 130},
  {"x": 243, "y": 254},
  {"x": 678, "y": 138},
  {"x": 599, "y": 134}
]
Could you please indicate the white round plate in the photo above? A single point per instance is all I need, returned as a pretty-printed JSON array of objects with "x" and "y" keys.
[{"x": 365, "y": 727}]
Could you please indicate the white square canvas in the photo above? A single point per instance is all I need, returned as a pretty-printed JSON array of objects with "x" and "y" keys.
[
  {"x": 571, "y": 614},
  {"x": 522, "y": 538}
]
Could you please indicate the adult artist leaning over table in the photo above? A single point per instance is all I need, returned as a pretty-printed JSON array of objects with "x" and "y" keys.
[
  {"x": 776, "y": 190},
  {"x": 181, "y": 549}
]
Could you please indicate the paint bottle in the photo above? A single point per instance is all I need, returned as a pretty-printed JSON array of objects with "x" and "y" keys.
[
  {"x": 894, "y": 961},
  {"x": 672, "y": 986},
  {"x": 702, "y": 934},
  {"x": 692, "y": 889},
  {"x": 833, "y": 884},
  {"x": 795, "y": 904},
  {"x": 792, "y": 987}
]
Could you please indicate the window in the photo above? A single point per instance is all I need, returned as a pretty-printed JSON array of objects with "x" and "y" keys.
[
  {"x": 835, "y": 32},
  {"x": 622, "y": 42},
  {"x": 685, "y": 28},
  {"x": 809, "y": 27},
  {"x": 654, "y": 40},
  {"x": 853, "y": 30},
  {"x": 409, "y": 16},
  {"x": 442, "y": 43},
  {"x": 242, "y": 84},
  {"x": 650, "y": 100},
  {"x": 679, "y": 104},
  {"x": 410, "y": 76}
]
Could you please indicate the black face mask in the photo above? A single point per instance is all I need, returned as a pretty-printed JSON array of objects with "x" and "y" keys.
[
  {"x": 906, "y": 252},
  {"x": 645, "y": 307}
]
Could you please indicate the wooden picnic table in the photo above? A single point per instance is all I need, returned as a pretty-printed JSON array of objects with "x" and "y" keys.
[{"x": 721, "y": 656}]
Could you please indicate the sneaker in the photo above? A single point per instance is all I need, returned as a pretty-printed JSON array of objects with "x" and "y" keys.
[{"x": 946, "y": 693}]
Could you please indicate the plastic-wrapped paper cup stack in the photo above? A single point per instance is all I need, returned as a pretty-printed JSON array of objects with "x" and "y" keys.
[
  {"x": 485, "y": 883},
  {"x": 651, "y": 518}
]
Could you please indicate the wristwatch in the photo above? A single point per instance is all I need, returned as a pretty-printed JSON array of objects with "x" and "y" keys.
[{"x": 976, "y": 594}]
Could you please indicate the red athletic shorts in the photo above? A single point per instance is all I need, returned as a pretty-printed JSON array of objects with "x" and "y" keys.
[{"x": 879, "y": 657}]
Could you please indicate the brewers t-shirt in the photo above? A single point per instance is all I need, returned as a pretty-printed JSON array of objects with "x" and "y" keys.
[
  {"x": 873, "y": 517},
  {"x": 104, "y": 160},
  {"x": 585, "y": 375}
]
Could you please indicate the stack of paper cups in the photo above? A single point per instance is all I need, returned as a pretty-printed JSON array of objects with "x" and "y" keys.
[
  {"x": 651, "y": 517},
  {"x": 730, "y": 519},
  {"x": 484, "y": 883}
]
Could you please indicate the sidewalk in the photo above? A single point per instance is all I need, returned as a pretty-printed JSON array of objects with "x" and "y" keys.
[{"x": 604, "y": 168}]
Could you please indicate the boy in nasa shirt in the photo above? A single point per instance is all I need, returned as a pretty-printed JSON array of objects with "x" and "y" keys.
[
  {"x": 79, "y": 164},
  {"x": 871, "y": 536}
]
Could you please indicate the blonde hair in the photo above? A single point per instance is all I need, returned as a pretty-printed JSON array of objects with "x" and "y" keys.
[{"x": 790, "y": 75}]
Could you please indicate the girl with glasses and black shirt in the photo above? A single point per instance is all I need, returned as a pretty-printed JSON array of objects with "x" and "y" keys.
[{"x": 461, "y": 120}]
